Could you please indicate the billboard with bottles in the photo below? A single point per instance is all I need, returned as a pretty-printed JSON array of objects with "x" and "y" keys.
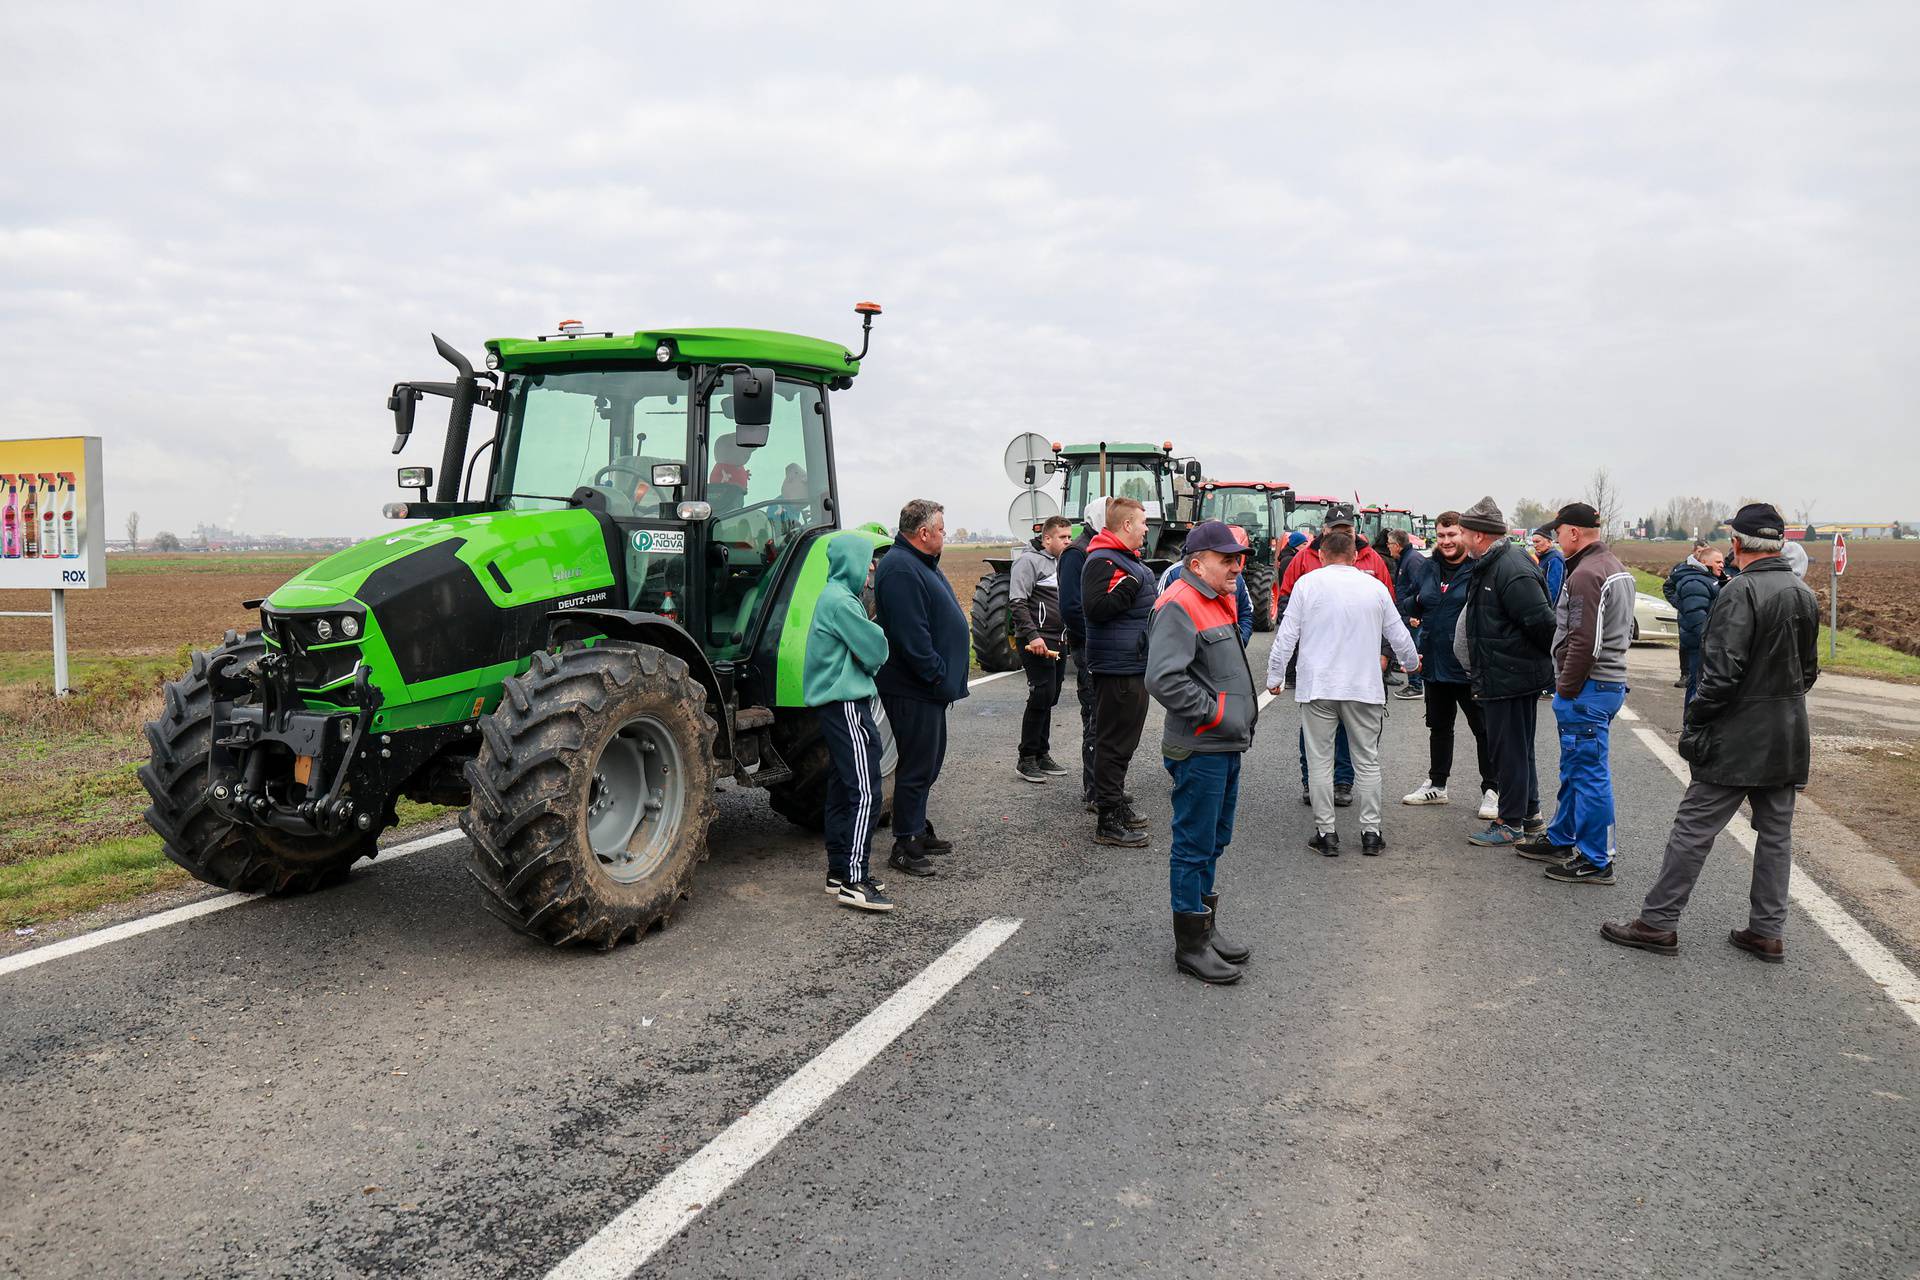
[{"x": 52, "y": 526}]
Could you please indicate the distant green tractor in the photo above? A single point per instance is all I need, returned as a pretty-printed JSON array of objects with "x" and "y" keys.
[
  {"x": 603, "y": 619},
  {"x": 1164, "y": 484},
  {"x": 1261, "y": 508}
]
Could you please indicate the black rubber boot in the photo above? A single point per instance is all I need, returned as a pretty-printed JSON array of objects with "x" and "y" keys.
[
  {"x": 1228, "y": 950},
  {"x": 1191, "y": 952}
]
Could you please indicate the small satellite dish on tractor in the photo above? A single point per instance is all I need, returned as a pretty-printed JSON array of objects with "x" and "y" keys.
[
  {"x": 1029, "y": 460},
  {"x": 1029, "y": 509}
]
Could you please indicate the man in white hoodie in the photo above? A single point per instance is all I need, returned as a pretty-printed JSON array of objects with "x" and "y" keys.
[{"x": 1336, "y": 619}]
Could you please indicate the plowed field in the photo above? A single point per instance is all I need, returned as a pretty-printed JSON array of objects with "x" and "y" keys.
[{"x": 1879, "y": 597}]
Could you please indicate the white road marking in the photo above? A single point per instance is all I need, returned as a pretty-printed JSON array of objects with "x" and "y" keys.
[
  {"x": 1629, "y": 714},
  {"x": 998, "y": 675},
  {"x": 1873, "y": 959},
  {"x": 624, "y": 1245},
  {"x": 179, "y": 915}
]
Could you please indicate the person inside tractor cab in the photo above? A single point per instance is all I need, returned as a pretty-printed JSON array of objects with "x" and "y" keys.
[{"x": 727, "y": 484}]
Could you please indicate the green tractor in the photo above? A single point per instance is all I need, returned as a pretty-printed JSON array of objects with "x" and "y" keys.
[
  {"x": 604, "y": 614},
  {"x": 1164, "y": 484},
  {"x": 1261, "y": 508}
]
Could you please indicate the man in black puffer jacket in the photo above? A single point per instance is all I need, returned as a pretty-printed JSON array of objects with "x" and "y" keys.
[
  {"x": 1691, "y": 589},
  {"x": 1505, "y": 640},
  {"x": 1747, "y": 738}
]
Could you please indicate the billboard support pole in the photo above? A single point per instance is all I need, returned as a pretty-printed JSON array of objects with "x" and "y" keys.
[{"x": 60, "y": 688}]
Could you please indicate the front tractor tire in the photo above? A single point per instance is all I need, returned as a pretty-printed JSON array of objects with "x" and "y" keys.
[
  {"x": 592, "y": 794},
  {"x": 992, "y": 623},
  {"x": 1260, "y": 587},
  {"x": 215, "y": 849}
]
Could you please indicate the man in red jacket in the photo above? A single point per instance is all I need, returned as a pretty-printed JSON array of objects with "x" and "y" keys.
[{"x": 1306, "y": 560}]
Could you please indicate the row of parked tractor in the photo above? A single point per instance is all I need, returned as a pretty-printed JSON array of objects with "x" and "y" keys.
[{"x": 1177, "y": 495}]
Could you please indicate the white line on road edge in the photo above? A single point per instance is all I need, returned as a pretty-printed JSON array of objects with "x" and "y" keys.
[
  {"x": 179, "y": 915},
  {"x": 623, "y": 1246},
  {"x": 998, "y": 675},
  {"x": 1865, "y": 950}
]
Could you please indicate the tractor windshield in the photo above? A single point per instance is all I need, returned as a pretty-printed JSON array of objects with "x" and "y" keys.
[
  {"x": 1247, "y": 508},
  {"x": 1136, "y": 478},
  {"x": 1308, "y": 515},
  {"x": 603, "y": 428}
]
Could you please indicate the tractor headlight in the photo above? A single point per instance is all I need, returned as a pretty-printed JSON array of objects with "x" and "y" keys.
[
  {"x": 349, "y": 626},
  {"x": 493, "y": 359},
  {"x": 664, "y": 352},
  {"x": 323, "y": 628}
]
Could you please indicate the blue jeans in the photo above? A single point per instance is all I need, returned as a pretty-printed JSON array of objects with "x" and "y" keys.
[
  {"x": 1342, "y": 759},
  {"x": 1206, "y": 791},
  {"x": 1583, "y": 817}
]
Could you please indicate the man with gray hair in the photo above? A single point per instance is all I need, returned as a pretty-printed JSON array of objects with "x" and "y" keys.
[
  {"x": 926, "y": 672},
  {"x": 1747, "y": 737}
]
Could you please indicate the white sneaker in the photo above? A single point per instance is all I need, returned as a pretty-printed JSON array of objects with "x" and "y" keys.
[
  {"x": 1427, "y": 794},
  {"x": 1490, "y": 805}
]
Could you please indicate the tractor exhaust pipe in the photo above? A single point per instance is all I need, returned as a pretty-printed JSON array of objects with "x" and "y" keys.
[{"x": 466, "y": 390}]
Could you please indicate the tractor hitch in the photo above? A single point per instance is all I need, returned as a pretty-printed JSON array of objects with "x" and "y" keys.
[{"x": 274, "y": 763}]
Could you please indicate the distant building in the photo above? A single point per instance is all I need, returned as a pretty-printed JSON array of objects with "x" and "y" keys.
[{"x": 1855, "y": 529}]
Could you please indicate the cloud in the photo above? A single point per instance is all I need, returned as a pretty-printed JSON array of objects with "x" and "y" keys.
[{"x": 1420, "y": 254}]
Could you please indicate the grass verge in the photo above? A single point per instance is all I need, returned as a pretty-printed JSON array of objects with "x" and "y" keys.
[{"x": 1854, "y": 656}]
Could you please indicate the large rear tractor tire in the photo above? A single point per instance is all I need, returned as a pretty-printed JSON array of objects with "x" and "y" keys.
[
  {"x": 592, "y": 794},
  {"x": 214, "y": 849},
  {"x": 992, "y": 623},
  {"x": 1260, "y": 587},
  {"x": 803, "y": 799}
]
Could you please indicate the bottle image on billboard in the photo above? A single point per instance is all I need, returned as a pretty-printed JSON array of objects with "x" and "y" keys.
[
  {"x": 49, "y": 516},
  {"x": 69, "y": 519},
  {"x": 10, "y": 521},
  {"x": 29, "y": 522}
]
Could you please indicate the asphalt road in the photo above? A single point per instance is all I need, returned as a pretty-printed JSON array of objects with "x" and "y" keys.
[{"x": 1435, "y": 1068}]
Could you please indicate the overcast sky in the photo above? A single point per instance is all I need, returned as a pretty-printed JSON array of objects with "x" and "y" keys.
[{"x": 1384, "y": 248}]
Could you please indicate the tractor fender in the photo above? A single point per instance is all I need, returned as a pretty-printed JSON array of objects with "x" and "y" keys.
[{"x": 661, "y": 632}]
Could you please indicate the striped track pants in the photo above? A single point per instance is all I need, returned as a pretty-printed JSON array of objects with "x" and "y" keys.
[{"x": 853, "y": 787}]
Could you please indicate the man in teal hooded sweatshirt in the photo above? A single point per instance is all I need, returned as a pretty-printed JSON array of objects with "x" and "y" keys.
[{"x": 844, "y": 650}]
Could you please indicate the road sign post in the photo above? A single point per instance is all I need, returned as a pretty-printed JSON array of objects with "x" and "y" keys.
[{"x": 1833, "y": 592}]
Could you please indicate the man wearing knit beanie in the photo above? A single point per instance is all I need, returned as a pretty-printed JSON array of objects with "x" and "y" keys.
[{"x": 1505, "y": 641}]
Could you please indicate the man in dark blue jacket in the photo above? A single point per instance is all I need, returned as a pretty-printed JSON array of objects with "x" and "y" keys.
[
  {"x": 1073, "y": 562},
  {"x": 1691, "y": 589},
  {"x": 1436, "y": 588},
  {"x": 926, "y": 671},
  {"x": 1117, "y": 593}
]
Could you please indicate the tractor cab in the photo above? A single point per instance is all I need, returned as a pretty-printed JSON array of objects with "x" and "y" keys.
[
  {"x": 1309, "y": 512},
  {"x": 1260, "y": 507},
  {"x": 1165, "y": 485}
]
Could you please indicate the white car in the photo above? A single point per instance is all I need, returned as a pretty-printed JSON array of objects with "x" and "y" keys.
[{"x": 1654, "y": 619}]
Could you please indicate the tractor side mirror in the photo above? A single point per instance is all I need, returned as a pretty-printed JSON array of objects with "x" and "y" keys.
[
  {"x": 401, "y": 402},
  {"x": 752, "y": 406},
  {"x": 1193, "y": 471}
]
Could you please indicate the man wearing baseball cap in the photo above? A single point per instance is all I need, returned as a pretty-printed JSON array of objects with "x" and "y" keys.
[
  {"x": 1197, "y": 671},
  {"x": 1593, "y": 625},
  {"x": 1747, "y": 738}
]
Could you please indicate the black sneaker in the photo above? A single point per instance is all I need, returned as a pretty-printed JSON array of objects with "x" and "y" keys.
[
  {"x": 933, "y": 844},
  {"x": 1541, "y": 849},
  {"x": 1343, "y": 794},
  {"x": 1112, "y": 830},
  {"x": 834, "y": 882},
  {"x": 1091, "y": 806},
  {"x": 1325, "y": 843},
  {"x": 1051, "y": 767},
  {"x": 1578, "y": 870},
  {"x": 1029, "y": 770},
  {"x": 865, "y": 896},
  {"x": 1372, "y": 844},
  {"x": 907, "y": 858},
  {"x": 1681, "y": 683},
  {"x": 1535, "y": 825},
  {"x": 1133, "y": 820}
]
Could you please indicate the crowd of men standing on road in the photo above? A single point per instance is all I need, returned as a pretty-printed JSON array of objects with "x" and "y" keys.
[{"x": 1482, "y": 630}]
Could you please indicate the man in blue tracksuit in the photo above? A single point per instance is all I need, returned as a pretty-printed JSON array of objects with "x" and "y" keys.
[
  {"x": 1553, "y": 565},
  {"x": 926, "y": 672}
]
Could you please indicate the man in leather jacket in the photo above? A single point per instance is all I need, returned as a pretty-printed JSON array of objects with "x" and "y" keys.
[{"x": 1747, "y": 738}]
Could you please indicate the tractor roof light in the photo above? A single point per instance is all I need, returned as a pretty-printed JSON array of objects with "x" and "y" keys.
[
  {"x": 493, "y": 359},
  {"x": 1166, "y": 446},
  {"x": 664, "y": 352},
  {"x": 1058, "y": 447},
  {"x": 572, "y": 328}
]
